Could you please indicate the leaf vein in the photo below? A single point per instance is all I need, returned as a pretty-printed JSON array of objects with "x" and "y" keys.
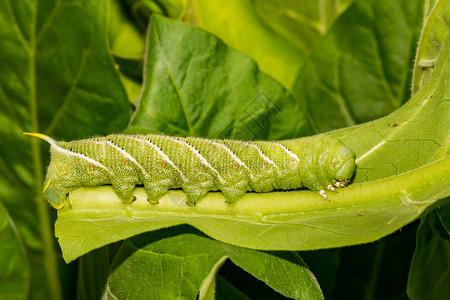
[
  {"x": 68, "y": 97},
  {"x": 18, "y": 28}
]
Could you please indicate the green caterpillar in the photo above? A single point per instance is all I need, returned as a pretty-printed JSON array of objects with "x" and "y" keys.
[{"x": 196, "y": 165}]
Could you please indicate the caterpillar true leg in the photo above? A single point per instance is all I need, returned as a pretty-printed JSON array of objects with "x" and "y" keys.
[
  {"x": 331, "y": 188},
  {"x": 323, "y": 194},
  {"x": 339, "y": 184}
]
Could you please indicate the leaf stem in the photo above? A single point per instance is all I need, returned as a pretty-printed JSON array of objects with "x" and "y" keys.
[{"x": 258, "y": 219}]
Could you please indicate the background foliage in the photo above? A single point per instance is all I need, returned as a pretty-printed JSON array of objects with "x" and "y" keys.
[{"x": 73, "y": 69}]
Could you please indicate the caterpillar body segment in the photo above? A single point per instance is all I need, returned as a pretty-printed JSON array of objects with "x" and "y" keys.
[{"x": 196, "y": 165}]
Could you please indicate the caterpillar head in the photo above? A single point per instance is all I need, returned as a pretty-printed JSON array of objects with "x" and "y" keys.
[
  {"x": 53, "y": 190},
  {"x": 344, "y": 164},
  {"x": 56, "y": 178}
]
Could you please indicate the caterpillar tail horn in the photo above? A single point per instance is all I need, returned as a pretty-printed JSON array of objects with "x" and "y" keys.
[{"x": 42, "y": 137}]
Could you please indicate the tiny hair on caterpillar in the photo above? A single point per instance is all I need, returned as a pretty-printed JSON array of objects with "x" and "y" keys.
[{"x": 196, "y": 165}]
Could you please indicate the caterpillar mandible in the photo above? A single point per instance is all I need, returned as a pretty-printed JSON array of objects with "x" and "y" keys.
[{"x": 196, "y": 165}]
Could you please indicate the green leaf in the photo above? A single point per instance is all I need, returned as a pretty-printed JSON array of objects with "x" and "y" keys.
[
  {"x": 437, "y": 20},
  {"x": 174, "y": 263},
  {"x": 57, "y": 77},
  {"x": 238, "y": 25},
  {"x": 429, "y": 276},
  {"x": 205, "y": 88},
  {"x": 302, "y": 22},
  {"x": 14, "y": 272},
  {"x": 360, "y": 70},
  {"x": 394, "y": 184}
]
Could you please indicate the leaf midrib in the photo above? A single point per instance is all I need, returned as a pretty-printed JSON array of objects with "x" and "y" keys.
[
  {"x": 172, "y": 80},
  {"x": 50, "y": 263}
]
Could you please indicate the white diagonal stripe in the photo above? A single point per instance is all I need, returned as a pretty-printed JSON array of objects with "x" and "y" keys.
[
  {"x": 264, "y": 156},
  {"x": 203, "y": 160},
  {"x": 192, "y": 148},
  {"x": 79, "y": 155},
  {"x": 127, "y": 155},
  {"x": 240, "y": 162},
  {"x": 163, "y": 155},
  {"x": 196, "y": 152},
  {"x": 292, "y": 155}
]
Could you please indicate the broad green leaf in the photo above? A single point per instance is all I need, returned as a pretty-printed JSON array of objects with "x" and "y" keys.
[
  {"x": 14, "y": 272},
  {"x": 429, "y": 276},
  {"x": 196, "y": 85},
  {"x": 302, "y": 22},
  {"x": 437, "y": 20},
  {"x": 392, "y": 187},
  {"x": 174, "y": 263},
  {"x": 238, "y": 25},
  {"x": 56, "y": 77},
  {"x": 360, "y": 69}
]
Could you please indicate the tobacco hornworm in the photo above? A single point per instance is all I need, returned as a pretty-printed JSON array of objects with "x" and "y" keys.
[{"x": 196, "y": 165}]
